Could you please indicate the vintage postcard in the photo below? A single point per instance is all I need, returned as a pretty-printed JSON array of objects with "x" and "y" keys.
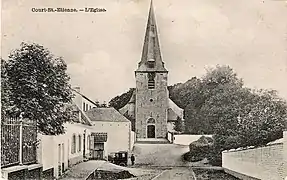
[{"x": 144, "y": 89}]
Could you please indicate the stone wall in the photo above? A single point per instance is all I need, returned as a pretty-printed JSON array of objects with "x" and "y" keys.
[
  {"x": 266, "y": 163},
  {"x": 186, "y": 139}
]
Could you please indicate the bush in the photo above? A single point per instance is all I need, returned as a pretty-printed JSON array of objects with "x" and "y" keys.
[{"x": 196, "y": 153}]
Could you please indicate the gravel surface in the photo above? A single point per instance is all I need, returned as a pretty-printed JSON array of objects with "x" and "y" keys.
[{"x": 205, "y": 174}]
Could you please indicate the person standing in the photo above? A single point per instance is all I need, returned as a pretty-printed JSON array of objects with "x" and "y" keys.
[{"x": 133, "y": 159}]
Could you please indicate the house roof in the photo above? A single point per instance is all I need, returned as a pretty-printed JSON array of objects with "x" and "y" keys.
[
  {"x": 109, "y": 114},
  {"x": 84, "y": 118},
  {"x": 85, "y": 97}
]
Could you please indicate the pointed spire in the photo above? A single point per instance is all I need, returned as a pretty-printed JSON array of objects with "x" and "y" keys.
[{"x": 151, "y": 55}]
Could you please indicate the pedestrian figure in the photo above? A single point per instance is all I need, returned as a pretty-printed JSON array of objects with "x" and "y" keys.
[{"x": 133, "y": 159}]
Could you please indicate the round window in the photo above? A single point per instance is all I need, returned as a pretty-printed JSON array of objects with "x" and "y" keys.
[{"x": 151, "y": 100}]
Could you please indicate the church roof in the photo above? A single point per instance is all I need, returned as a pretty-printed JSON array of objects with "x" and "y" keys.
[
  {"x": 151, "y": 49},
  {"x": 175, "y": 108},
  {"x": 106, "y": 114}
]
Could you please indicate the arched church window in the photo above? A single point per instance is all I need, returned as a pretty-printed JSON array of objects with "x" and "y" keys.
[{"x": 151, "y": 121}]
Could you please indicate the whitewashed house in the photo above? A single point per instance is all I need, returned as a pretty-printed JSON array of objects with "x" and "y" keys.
[
  {"x": 58, "y": 153},
  {"x": 120, "y": 136}
]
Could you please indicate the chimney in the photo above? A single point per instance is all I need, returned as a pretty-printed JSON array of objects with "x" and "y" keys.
[{"x": 77, "y": 88}]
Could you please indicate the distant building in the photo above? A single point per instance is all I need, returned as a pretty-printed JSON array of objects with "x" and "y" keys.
[
  {"x": 118, "y": 128},
  {"x": 150, "y": 107}
]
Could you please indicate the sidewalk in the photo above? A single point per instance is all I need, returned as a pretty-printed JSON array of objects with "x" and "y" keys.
[{"x": 82, "y": 170}]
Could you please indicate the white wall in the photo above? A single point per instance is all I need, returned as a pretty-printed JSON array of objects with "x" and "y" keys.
[
  {"x": 118, "y": 134},
  {"x": 80, "y": 101},
  {"x": 186, "y": 139},
  {"x": 48, "y": 150},
  {"x": 266, "y": 163},
  {"x": 169, "y": 136},
  {"x": 285, "y": 152},
  {"x": 132, "y": 140},
  {"x": 88, "y": 105}
]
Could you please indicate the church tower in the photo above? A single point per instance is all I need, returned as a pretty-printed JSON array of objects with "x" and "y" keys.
[{"x": 151, "y": 108}]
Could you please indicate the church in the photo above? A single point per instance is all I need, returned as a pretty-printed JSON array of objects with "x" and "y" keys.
[{"x": 153, "y": 112}]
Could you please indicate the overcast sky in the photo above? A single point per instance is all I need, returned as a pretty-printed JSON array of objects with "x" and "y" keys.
[{"x": 102, "y": 50}]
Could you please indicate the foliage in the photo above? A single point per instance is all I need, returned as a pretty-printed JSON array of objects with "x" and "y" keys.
[
  {"x": 204, "y": 174},
  {"x": 120, "y": 101},
  {"x": 179, "y": 127},
  {"x": 5, "y": 88},
  {"x": 237, "y": 116},
  {"x": 37, "y": 85},
  {"x": 198, "y": 150}
]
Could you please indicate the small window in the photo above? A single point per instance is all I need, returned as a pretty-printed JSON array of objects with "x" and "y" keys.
[
  {"x": 152, "y": 28},
  {"x": 151, "y": 63},
  {"x": 73, "y": 144},
  {"x": 151, "y": 100},
  {"x": 88, "y": 142},
  {"x": 151, "y": 84},
  {"x": 80, "y": 143},
  {"x": 151, "y": 81},
  {"x": 84, "y": 106}
]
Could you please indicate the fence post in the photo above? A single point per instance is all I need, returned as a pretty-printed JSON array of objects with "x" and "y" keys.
[{"x": 21, "y": 141}]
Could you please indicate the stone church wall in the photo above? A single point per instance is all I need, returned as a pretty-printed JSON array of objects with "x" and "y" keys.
[{"x": 151, "y": 103}]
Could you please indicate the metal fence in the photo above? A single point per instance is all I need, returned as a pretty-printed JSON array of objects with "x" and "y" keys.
[{"x": 18, "y": 142}]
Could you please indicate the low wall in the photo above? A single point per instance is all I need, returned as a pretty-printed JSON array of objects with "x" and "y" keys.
[
  {"x": 132, "y": 140},
  {"x": 264, "y": 163},
  {"x": 169, "y": 137},
  {"x": 186, "y": 139}
]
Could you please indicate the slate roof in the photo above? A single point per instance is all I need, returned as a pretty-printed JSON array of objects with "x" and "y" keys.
[
  {"x": 109, "y": 114},
  {"x": 85, "y": 97},
  {"x": 151, "y": 47}
]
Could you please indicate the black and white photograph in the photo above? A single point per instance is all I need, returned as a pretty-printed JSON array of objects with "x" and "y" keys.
[{"x": 143, "y": 90}]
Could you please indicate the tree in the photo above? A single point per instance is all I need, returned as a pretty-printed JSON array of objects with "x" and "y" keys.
[
  {"x": 120, "y": 101},
  {"x": 5, "y": 89},
  {"x": 38, "y": 87},
  {"x": 265, "y": 119},
  {"x": 179, "y": 125}
]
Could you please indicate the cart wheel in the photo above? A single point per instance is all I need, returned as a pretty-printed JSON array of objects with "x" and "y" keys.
[{"x": 122, "y": 164}]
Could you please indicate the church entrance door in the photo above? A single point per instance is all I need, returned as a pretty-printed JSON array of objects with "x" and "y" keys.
[{"x": 151, "y": 131}]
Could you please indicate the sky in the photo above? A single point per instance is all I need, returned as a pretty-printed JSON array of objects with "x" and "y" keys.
[{"x": 102, "y": 49}]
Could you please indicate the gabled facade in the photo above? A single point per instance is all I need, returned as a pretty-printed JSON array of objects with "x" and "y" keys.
[{"x": 118, "y": 128}]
